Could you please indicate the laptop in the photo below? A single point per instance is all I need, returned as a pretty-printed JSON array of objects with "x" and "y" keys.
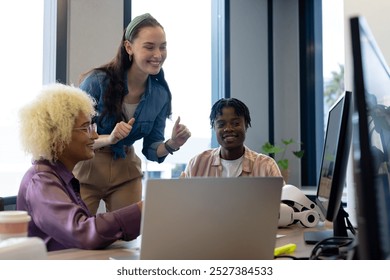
[{"x": 210, "y": 218}]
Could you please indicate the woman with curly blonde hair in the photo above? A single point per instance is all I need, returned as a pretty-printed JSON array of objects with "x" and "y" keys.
[{"x": 56, "y": 130}]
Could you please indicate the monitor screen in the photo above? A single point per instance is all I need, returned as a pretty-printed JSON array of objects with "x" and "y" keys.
[
  {"x": 335, "y": 157},
  {"x": 333, "y": 169},
  {"x": 371, "y": 142}
]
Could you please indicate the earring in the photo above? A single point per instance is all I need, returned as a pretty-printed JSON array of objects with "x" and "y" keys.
[{"x": 130, "y": 57}]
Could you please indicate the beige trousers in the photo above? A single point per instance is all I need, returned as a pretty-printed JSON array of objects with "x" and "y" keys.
[{"x": 117, "y": 182}]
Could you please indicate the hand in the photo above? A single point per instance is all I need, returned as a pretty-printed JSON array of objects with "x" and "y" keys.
[
  {"x": 180, "y": 135},
  {"x": 120, "y": 131}
]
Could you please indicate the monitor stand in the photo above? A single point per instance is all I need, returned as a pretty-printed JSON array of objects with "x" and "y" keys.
[{"x": 340, "y": 225}]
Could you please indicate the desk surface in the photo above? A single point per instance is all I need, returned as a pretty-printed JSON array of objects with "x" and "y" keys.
[
  {"x": 122, "y": 249},
  {"x": 295, "y": 234}
]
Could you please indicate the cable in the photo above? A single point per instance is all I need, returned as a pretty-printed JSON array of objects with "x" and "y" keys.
[
  {"x": 290, "y": 257},
  {"x": 333, "y": 248}
]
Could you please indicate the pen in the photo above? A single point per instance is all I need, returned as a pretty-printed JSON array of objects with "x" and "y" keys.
[{"x": 285, "y": 249}]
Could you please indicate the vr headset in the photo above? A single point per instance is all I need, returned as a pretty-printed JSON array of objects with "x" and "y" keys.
[{"x": 297, "y": 207}]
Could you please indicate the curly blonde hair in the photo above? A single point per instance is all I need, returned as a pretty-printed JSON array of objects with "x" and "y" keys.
[{"x": 46, "y": 123}]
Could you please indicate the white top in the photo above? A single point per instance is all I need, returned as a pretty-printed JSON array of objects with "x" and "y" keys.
[
  {"x": 232, "y": 168},
  {"x": 129, "y": 110}
]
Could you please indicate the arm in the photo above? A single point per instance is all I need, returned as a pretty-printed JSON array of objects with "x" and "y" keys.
[
  {"x": 180, "y": 135},
  {"x": 120, "y": 131},
  {"x": 95, "y": 85},
  {"x": 56, "y": 212}
]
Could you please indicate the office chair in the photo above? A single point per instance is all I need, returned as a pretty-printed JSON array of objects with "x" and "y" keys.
[{"x": 8, "y": 203}]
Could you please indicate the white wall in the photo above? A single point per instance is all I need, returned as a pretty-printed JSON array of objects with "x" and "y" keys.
[
  {"x": 286, "y": 79},
  {"x": 249, "y": 70},
  {"x": 377, "y": 15},
  {"x": 94, "y": 32},
  {"x": 249, "y": 64}
]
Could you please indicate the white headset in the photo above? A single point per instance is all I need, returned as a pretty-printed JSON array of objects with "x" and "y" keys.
[{"x": 297, "y": 207}]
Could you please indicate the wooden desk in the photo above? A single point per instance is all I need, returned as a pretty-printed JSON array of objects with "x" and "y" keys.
[
  {"x": 295, "y": 234},
  {"x": 291, "y": 234},
  {"x": 117, "y": 249}
]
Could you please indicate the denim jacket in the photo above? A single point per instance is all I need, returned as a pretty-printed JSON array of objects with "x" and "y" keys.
[{"x": 150, "y": 115}]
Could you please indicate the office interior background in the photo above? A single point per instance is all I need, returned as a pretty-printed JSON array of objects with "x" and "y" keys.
[{"x": 277, "y": 56}]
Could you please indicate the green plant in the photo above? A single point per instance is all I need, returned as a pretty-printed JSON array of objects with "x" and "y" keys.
[{"x": 279, "y": 152}]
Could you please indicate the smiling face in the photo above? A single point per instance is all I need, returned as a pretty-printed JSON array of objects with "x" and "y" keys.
[
  {"x": 230, "y": 130},
  {"x": 148, "y": 50},
  {"x": 81, "y": 145}
]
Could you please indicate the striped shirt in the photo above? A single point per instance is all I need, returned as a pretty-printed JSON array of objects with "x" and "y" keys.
[{"x": 208, "y": 164}]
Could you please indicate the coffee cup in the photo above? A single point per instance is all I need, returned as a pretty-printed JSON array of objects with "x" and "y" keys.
[{"x": 13, "y": 224}]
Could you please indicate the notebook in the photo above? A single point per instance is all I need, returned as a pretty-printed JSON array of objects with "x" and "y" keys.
[{"x": 210, "y": 218}]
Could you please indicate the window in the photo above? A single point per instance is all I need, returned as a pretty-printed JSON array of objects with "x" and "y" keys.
[
  {"x": 21, "y": 56},
  {"x": 333, "y": 59},
  {"x": 333, "y": 51},
  {"x": 188, "y": 72}
]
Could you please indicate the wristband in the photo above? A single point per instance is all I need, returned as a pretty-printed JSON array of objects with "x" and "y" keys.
[{"x": 169, "y": 148}]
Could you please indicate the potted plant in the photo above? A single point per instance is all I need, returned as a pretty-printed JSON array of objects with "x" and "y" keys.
[{"x": 278, "y": 152}]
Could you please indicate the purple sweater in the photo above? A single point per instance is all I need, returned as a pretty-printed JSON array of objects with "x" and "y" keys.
[{"x": 51, "y": 196}]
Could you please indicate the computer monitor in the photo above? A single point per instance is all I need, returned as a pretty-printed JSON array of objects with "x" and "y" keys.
[
  {"x": 333, "y": 170},
  {"x": 371, "y": 142}
]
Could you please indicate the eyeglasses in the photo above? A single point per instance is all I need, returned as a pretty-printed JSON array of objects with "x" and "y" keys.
[{"x": 90, "y": 129}]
